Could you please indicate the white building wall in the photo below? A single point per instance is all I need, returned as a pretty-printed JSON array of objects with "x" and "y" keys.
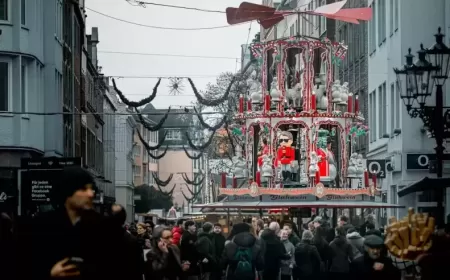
[{"x": 416, "y": 23}]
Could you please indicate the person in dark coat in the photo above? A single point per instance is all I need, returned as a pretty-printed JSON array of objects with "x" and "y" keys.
[
  {"x": 218, "y": 241},
  {"x": 371, "y": 230},
  {"x": 342, "y": 255},
  {"x": 274, "y": 252},
  {"x": 205, "y": 250},
  {"x": 373, "y": 265},
  {"x": 129, "y": 257},
  {"x": 293, "y": 237},
  {"x": 163, "y": 260},
  {"x": 8, "y": 250},
  {"x": 324, "y": 249},
  {"x": 307, "y": 258},
  {"x": 189, "y": 251},
  {"x": 73, "y": 240},
  {"x": 242, "y": 240},
  {"x": 344, "y": 222}
]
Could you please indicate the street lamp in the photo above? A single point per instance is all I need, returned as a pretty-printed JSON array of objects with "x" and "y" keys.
[{"x": 419, "y": 79}]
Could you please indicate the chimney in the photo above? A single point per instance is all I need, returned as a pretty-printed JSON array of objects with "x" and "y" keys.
[{"x": 94, "y": 41}]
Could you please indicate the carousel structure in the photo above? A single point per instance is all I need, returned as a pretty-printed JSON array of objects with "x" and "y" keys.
[{"x": 296, "y": 127}]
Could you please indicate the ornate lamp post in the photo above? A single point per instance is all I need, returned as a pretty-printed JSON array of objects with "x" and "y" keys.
[{"x": 419, "y": 78}]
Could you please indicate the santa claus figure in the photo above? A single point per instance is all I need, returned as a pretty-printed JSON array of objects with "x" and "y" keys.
[
  {"x": 327, "y": 163},
  {"x": 285, "y": 154}
]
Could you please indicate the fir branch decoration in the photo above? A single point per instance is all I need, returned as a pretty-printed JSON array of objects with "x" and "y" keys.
[
  {"x": 158, "y": 126},
  {"x": 142, "y": 102},
  {"x": 207, "y": 126},
  {"x": 146, "y": 145},
  {"x": 190, "y": 156},
  {"x": 161, "y": 182},
  {"x": 159, "y": 156},
  {"x": 201, "y": 147},
  {"x": 192, "y": 182},
  {"x": 215, "y": 102},
  {"x": 169, "y": 193}
]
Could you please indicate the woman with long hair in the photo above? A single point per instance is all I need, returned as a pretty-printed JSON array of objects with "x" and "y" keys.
[{"x": 163, "y": 259}]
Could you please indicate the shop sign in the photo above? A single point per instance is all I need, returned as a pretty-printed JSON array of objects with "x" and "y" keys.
[
  {"x": 239, "y": 198},
  {"x": 49, "y": 163},
  {"x": 287, "y": 198},
  {"x": 3, "y": 197},
  {"x": 342, "y": 198},
  {"x": 419, "y": 161},
  {"x": 377, "y": 166}
]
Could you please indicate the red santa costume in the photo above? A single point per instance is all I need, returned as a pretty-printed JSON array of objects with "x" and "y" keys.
[
  {"x": 285, "y": 155},
  {"x": 324, "y": 169}
]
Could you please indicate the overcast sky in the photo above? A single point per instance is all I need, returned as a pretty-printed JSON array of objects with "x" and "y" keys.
[{"x": 118, "y": 36}]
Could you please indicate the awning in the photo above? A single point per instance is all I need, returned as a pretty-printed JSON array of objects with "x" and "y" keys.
[
  {"x": 424, "y": 185},
  {"x": 299, "y": 204}
]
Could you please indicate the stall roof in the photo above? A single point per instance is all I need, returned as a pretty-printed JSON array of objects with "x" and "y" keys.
[
  {"x": 299, "y": 204},
  {"x": 425, "y": 184}
]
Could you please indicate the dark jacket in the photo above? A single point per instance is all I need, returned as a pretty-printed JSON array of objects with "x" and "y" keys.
[
  {"x": 189, "y": 252},
  {"x": 307, "y": 260},
  {"x": 362, "y": 268},
  {"x": 273, "y": 255},
  {"x": 342, "y": 254},
  {"x": 218, "y": 241},
  {"x": 205, "y": 249},
  {"x": 161, "y": 266},
  {"x": 54, "y": 238},
  {"x": 294, "y": 239},
  {"x": 229, "y": 261},
  {"x": 129, "y": 259}
]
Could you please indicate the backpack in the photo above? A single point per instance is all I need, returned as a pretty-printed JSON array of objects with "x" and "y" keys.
[{"x": 244, "y": 263}]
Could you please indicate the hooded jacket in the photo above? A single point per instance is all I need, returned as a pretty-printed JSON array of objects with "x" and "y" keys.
[
  {"x": 342, "y": 254},
  {"x": 274, "y": 253},
  {"x": 177, "y": 232},
  {"x": 242, "y": 240},
  {"x": 357, "y": 241}
]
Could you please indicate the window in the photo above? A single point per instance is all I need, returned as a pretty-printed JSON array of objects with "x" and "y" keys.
[
  {"x": 372, "y": 116},
  {"x": 382, "y": 110},
  {"x": 396, "y": 4},
  {"x": 398, "y": 107},
  {"x": 23, "y": 88},
  {"x": 393, "y": 107},
  {"x": 5, "y": 93},
  {"x": 4, "y": 10},
  {"x": 391, "y": 16},
  {"x": 372, "y": 31},
  {"x": 136, "y": 170},
  {"x": 136, "y": 151},
  {"x": 323, "y": 20},
  {"x": 23, "y": 12},
  {"x": 173, "y": 134},
  {"x": 381, "y": 20}
]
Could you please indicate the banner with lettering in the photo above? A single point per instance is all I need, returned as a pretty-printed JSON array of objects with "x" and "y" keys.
[{"x": 37, "y": 189}]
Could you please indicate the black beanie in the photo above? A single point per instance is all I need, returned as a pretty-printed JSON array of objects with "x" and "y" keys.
[{"x": 70, "y": 180}]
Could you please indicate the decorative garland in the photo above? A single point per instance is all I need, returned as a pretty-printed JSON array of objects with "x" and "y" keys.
[
  {"x": 205, "y": 125},
  {"x": 233, "y": 148},
  {"x": 215, "y": 102},
  {"x": 194, "y": 196},
  {"x": 141, "y": 102},
  {"x": 192, "y": 157},
  {"x": 169, "y": 193},
  {"x": 201, "y": 147},
  {"x": 159, "y": 156},
  {"x": 147, "y": 125},
  {"x": 192, "y": 182},
  {"x": 147, "y": 146},
  {"x": 161, "y": 182}
]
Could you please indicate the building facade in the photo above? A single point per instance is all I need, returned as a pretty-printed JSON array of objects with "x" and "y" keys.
[
  {"x": 31, "y": 59},
  {"x": 124, "y": 142},
  {"x": 109, "y": 148},
  {"x": 394, "y": 135},
  {"x": 144, "y": 165},
  {"x": 353, "y": 69}
]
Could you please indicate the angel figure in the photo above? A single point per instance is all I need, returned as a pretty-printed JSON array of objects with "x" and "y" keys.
[{"x": 313, "y": 164}]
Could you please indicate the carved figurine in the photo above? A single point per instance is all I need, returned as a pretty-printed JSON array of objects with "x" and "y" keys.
[
  {"x": 351, "y": 170},
  {"x": 294, "y": 95},
  {"x": 239, "y": 167},
  {"x": 313, "y": 164},
  {"x": 275, "y": 93},
  {"x": 255, "y": 92},
  {"x": 266, "y": 169},
  {"x": 344, "y": 93},
  {"x": 263, "y": 151},
  {"x": 336, "y": 91},
  {"x": 359, "y": 166},
  {"x": 285, "y": 154},
  {"x": 327, "y": 162}
]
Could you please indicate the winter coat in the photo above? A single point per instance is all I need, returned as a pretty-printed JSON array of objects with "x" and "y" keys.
[
  {"x": 205, "y": 250},
  {"x": 342, "y": 255},
  {"x": 357, "y": 241},
  {"x": 218, "y": 241},
  {"x": 325, "y": 252},
  {"x": 363, "y": 268},
  {"x": 294, "y": 239},
  {"x": 129, "y": 258},
  {"x": 53, "y": 238},
  {"x": 189, "y": 252},
  {"x": 274, "y": 253},
  {"x": 307, "y": 260},
  {"x": 286, "y": 265},
  {"x": 242, "y": 240},
  {"x": 160, "y": 266},
  {"x": 176, "y": 235}
]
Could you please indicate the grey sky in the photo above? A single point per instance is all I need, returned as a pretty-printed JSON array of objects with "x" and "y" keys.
[{"x": 123, "y": 37}]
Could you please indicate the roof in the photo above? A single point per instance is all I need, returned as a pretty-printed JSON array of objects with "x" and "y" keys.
[{"x": 425, "y": 184}]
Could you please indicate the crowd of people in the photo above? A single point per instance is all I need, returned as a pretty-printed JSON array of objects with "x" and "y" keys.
[{"x": 75, "y": 242}]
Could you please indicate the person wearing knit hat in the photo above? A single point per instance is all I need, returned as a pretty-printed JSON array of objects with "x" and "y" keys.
[
  {"x": 307, "y": 258},
  {"x": 72, "y": 236}
]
